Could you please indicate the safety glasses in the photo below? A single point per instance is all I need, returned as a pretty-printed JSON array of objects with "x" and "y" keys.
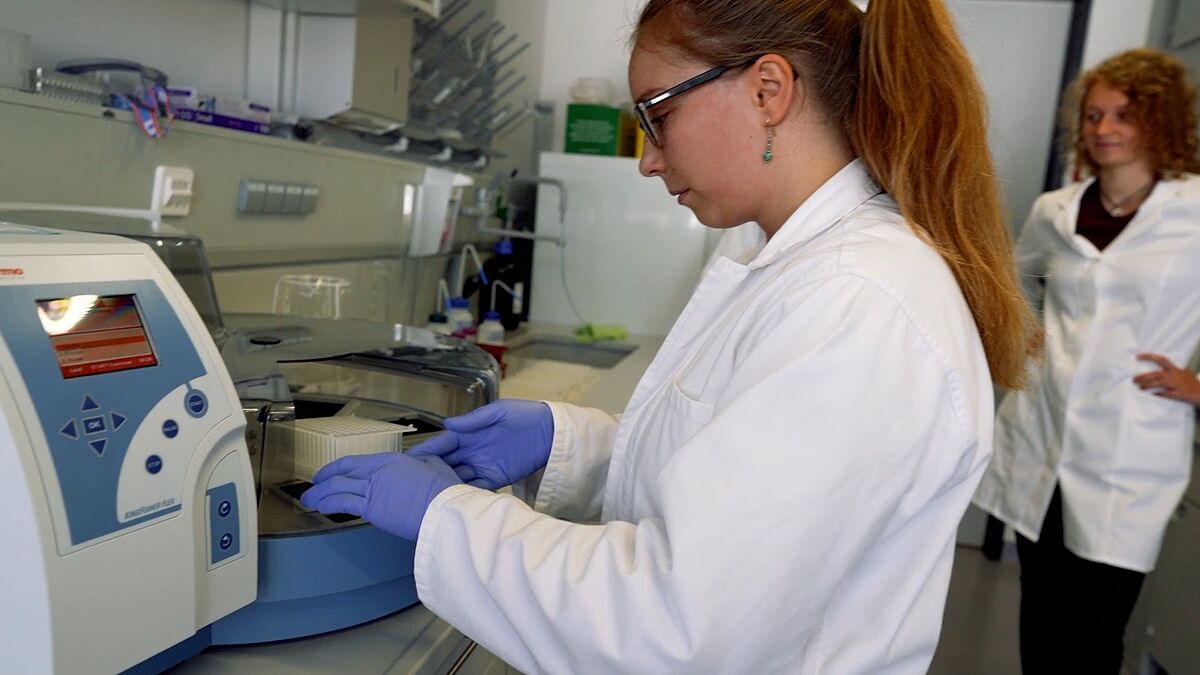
[{"x": 642, "y": 109}]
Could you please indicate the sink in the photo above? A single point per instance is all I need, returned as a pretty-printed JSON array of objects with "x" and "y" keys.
[{"x": 563, "y": 348}]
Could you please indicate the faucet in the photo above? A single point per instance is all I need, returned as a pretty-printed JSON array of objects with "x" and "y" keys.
[{"x": 483, "y": 201}]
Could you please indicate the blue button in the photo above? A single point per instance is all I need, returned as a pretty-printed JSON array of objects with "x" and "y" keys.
[
  {"x": 224, "y": 508},
  {"x": 93, "y": 425},
  {"x": 89, "y": 403},
  {"x": 170, "y": 428},
  {"x": 70, "y": 431},
  {"x": 98, "y": 446},
  {"x": 226, "y": 541},
  {"x": 154, "y": 464},
  {"x": 196, "y": 403},
  {"x": 117, "y": 420}
]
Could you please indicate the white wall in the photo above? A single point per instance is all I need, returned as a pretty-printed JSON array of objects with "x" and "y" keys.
[
  {"x": 1018, "y": 48},
  {"x": 1114, "y": 26},
  {"x": 199, "y": 43}
]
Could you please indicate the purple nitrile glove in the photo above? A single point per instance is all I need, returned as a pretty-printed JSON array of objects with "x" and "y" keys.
[
  {"x": 389, "y": 489},
  {"x": 495, "y": 445}
]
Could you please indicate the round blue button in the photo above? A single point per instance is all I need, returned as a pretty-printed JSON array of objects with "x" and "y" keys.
[
  {"x": 224, "y": 508},
  {"x": 154, "y": 464},
  {"x": 226, "y": 541},
  {"x": 170, "y": 429},
  {"x": 196, "y": 403}
]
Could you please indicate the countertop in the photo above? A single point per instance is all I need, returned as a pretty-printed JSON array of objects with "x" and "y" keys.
[{"x": 608, "y": 389}]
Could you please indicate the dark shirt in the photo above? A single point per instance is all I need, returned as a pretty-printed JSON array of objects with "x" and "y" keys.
[{"x": 1094, "y": 222}]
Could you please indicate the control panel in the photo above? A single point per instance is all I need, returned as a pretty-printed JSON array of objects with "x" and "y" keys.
[
  {"x": 103, "y": 365},
  {"x": 224, "y": 539}
]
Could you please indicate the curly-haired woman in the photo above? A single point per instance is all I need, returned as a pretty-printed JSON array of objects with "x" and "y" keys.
[{"x": 1091, "y": 460}]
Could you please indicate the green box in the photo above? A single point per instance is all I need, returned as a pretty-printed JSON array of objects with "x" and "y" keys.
[{"x": 593, "y": 129}]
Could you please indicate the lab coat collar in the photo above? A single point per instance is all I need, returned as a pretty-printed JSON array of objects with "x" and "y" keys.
[
  {"x": 1066, "y": 214},
  {"x": 848, "y": 189},
  {"x": 1148, "y": 214}
]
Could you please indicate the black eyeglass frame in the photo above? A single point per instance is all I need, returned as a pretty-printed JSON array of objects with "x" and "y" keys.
[{"x": 642, "y": 108}]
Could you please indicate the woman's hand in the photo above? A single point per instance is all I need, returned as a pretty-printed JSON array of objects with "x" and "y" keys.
[
  {"x": 495, "y": 445},
  {"x": 1170, "y": 382},
  {"x": 390, "y": 489}
]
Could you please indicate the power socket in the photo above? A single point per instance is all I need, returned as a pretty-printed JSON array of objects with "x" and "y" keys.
[{"x": 172, "y": 194}]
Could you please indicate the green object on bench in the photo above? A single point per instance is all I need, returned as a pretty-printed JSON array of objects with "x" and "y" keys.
[{"x": 591, "y": 332}]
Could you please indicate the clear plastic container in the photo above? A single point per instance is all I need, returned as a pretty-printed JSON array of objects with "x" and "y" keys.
[
  {"x": 315, "y": 296},
  {"x": 594, "y": 90}
]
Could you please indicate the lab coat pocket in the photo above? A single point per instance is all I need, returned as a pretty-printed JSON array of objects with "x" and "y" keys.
[
  {"x": 1160, "y": 435},
  {"x": 669, "y": 420},
  {"x": 689, "y": 406},
  {"x": 674, "y": 418}
]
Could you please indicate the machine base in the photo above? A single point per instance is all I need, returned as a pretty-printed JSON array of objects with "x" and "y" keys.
[
  {"x": 174, "y": 655},
  {"x": 316, "y": 583}
]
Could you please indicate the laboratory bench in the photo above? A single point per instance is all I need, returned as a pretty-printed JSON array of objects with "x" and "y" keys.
[
  {"x": 606, "y": 388},
  {"x": 410, "y": 642}
]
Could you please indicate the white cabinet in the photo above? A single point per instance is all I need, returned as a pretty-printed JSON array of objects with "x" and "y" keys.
[
  {"x": 347, "y": 61},
  {"x": 354, "y": 70}
]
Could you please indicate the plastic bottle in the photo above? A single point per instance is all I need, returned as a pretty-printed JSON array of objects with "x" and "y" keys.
[
  {"x": 438, "y": 323},
  {"x": 490, "y": 338},
  {"x": 462, "y": 322},
  {"x": 491, "y": 331}
]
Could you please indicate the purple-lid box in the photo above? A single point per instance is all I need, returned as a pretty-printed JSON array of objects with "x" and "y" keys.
[{"x": 213, "y": 119}]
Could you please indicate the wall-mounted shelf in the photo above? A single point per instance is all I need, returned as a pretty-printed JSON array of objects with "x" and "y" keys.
[{"x": 430, "y": 8}]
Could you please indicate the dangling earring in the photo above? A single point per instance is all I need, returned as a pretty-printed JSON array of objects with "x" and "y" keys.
[{"x": 770, "y": 153}]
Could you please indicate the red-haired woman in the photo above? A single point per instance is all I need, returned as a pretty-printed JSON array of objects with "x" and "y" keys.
[
  {"x": 782, "y": 492},
  {"x": 1092, "y": 459}
]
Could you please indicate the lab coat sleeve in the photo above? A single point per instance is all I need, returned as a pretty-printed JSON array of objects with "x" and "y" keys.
[
  {"x": 789, "y": 486},
  {"x": 572, "y": 484}
]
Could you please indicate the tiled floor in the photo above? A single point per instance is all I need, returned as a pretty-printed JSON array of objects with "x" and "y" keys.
[{"x": 979, "y": 631}]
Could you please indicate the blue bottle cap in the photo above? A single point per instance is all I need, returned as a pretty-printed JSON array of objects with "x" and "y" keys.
[
  {"x": 504, "y": 247},
  {"x": 459, "y": 303},
  {"x": 491, "y": 315}
]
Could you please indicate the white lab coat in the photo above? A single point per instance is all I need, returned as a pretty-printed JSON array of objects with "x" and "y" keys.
[
  {"x": 1121, "y": 455},
  {"x": 781, "y": 494}
]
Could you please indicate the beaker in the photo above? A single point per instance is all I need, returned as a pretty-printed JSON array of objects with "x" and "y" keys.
[{"x": 316, "y": 296}]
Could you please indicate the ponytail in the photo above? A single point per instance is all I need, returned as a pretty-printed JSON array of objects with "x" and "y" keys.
[{"x": 920, "y": 127}]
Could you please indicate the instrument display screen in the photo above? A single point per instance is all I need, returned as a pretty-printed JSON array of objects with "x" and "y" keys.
[{"x": 95, "y": 334}]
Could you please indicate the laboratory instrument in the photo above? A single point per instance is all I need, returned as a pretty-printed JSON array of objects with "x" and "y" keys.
[
  {"x": 315, "y": 573},
  {"x": 124, "y": 475}
]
